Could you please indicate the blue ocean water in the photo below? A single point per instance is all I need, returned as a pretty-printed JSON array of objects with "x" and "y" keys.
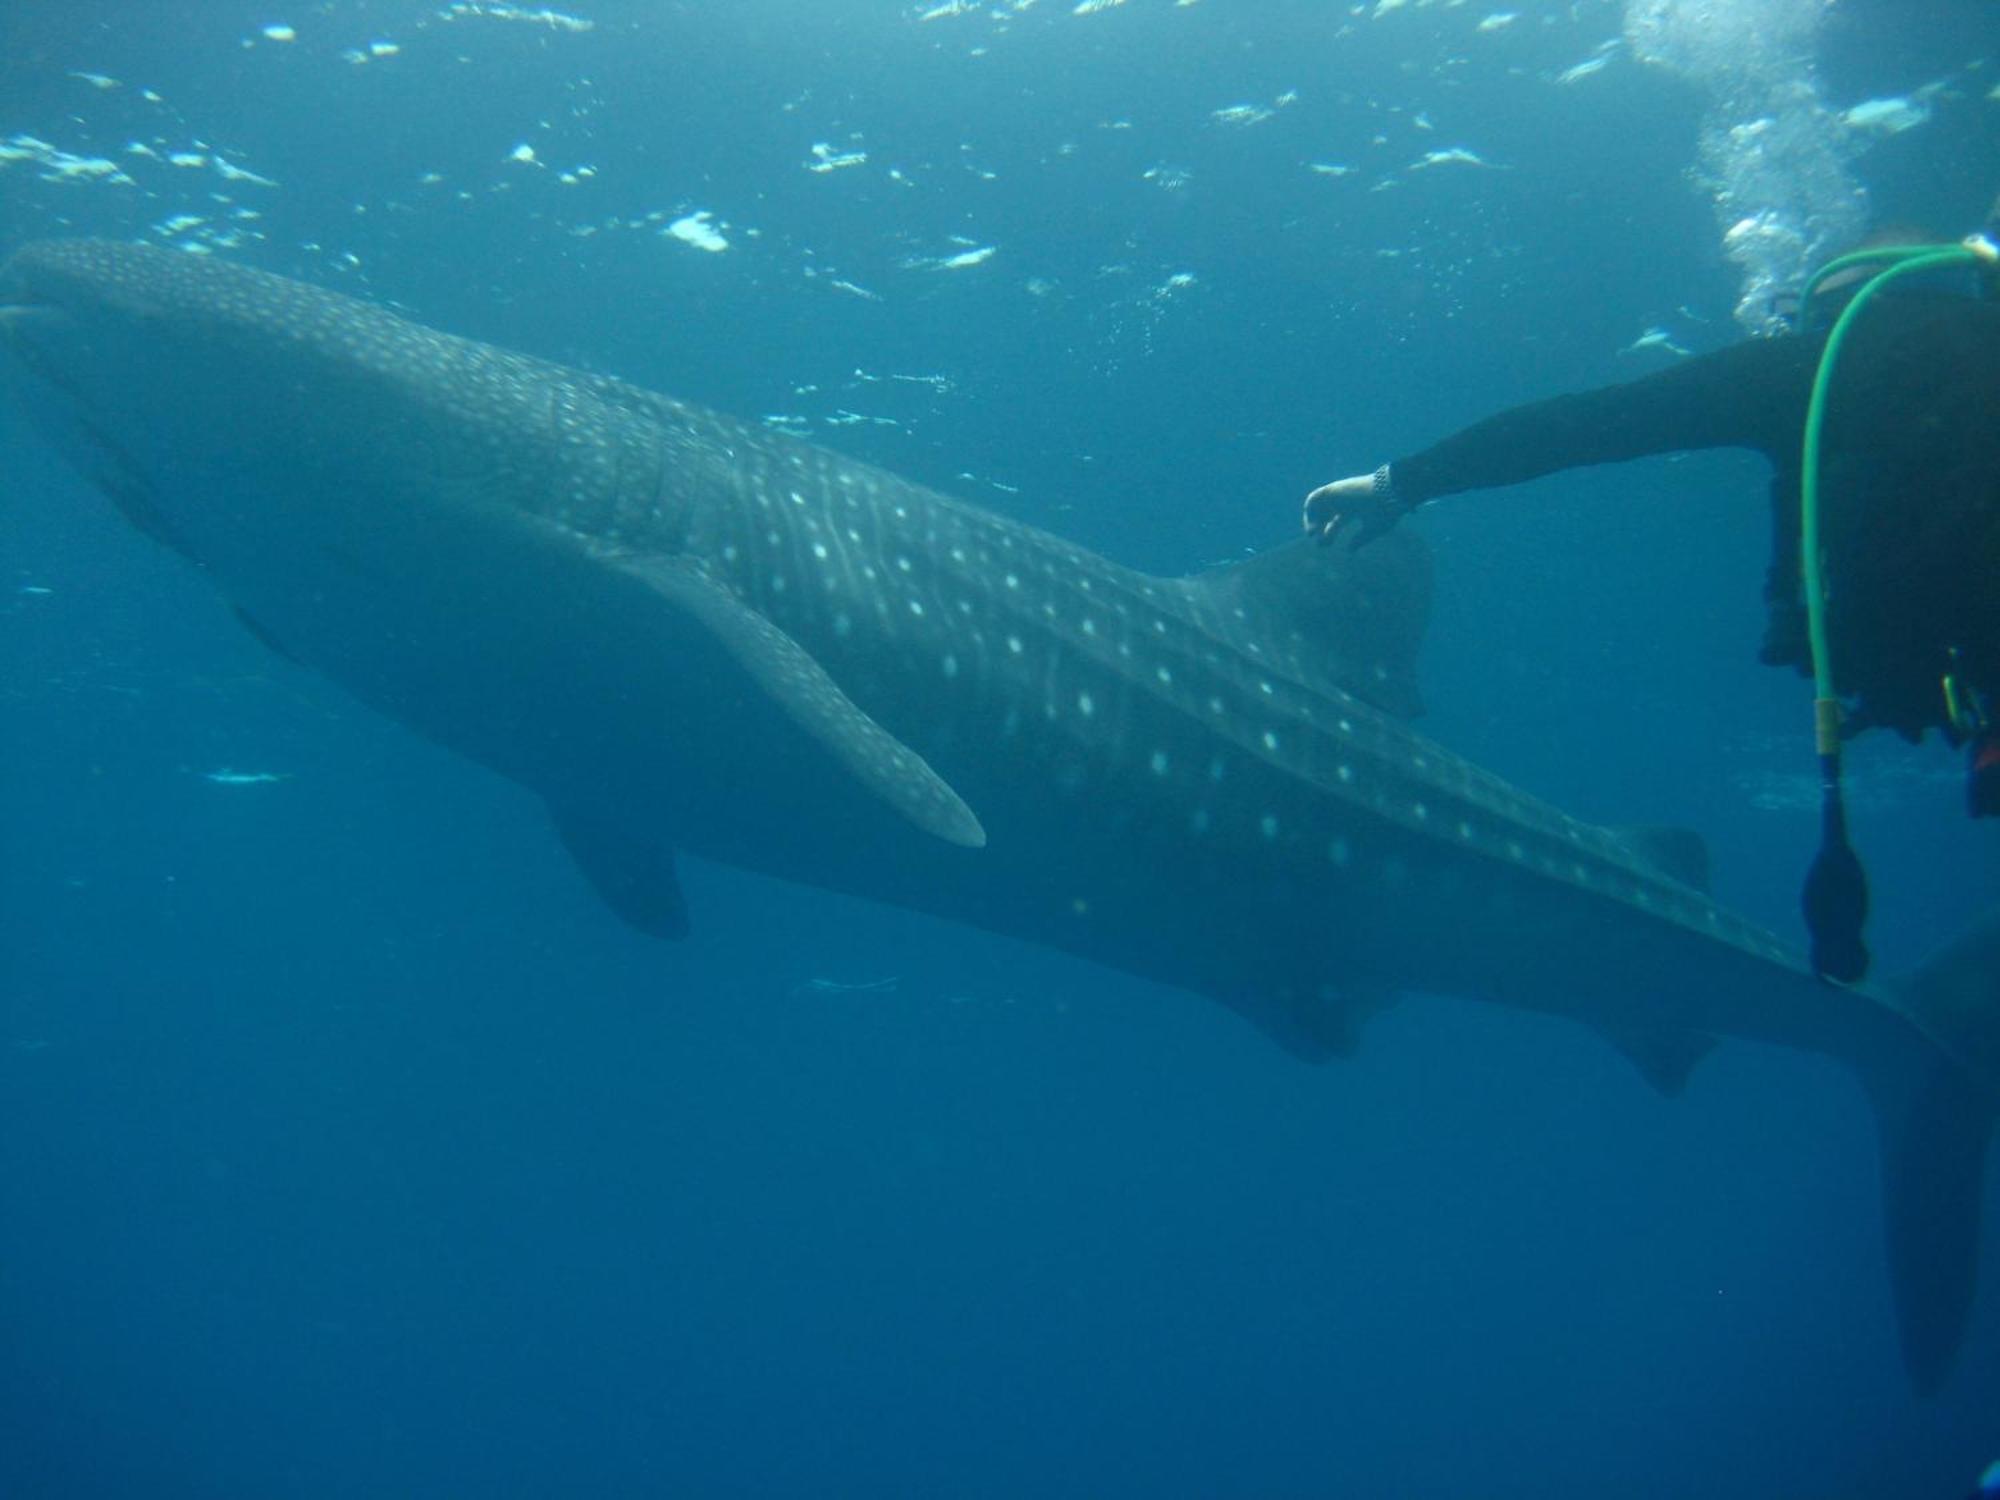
[{"x": 350, "y": 1147}]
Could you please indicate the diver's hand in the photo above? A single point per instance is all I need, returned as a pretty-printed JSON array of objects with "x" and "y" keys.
[{"x": 1365, "y": 506}]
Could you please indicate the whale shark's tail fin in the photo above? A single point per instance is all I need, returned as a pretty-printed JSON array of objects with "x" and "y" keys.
[
  {"x": 1933, "y": 1166},
  {"x": 1935, "y": 1127}
]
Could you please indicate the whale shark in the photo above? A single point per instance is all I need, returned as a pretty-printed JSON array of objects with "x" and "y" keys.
[{"x": 691, "y": 634}]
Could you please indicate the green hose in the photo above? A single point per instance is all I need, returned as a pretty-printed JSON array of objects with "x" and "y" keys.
[
  {"x": 1908, "y": 260},
  {"x": 1836, "y": 889}
]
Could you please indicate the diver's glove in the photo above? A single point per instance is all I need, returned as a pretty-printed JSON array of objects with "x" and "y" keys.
[{"x": 1364, "y": 506}]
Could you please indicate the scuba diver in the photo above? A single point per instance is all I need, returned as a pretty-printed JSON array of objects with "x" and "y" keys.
[{"x": 1880, "y": 417}]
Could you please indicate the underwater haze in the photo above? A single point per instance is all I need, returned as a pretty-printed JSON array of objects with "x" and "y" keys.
[{"x": 350, "y": 1146}]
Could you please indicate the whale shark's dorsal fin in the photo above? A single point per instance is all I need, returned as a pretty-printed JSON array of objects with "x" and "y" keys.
[
  {"x": 787, "y": 674},
  {"x": 1332, "y": 616}
]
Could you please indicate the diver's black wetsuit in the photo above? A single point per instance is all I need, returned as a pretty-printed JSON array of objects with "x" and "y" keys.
[{"x": 1910, "y": 484}]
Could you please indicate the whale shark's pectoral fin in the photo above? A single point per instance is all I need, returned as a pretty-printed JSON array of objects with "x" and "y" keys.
[
  {"x": 786, "y": 673},
  {"x": 634, "y": 876}
]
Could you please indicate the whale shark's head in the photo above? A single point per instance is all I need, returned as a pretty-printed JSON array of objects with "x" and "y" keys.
[
  {"x": 223, "y": 407},
  {"x": 145, "y": 372},
  {"x": 128, "y": 330},
  {"x": 54, "y": 294},
  {"x": 93, "y": 360},
  {"x": 97, "y": 318}
]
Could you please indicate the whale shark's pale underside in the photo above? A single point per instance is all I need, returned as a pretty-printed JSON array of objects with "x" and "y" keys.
[{"x": 687, "y": 633}]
